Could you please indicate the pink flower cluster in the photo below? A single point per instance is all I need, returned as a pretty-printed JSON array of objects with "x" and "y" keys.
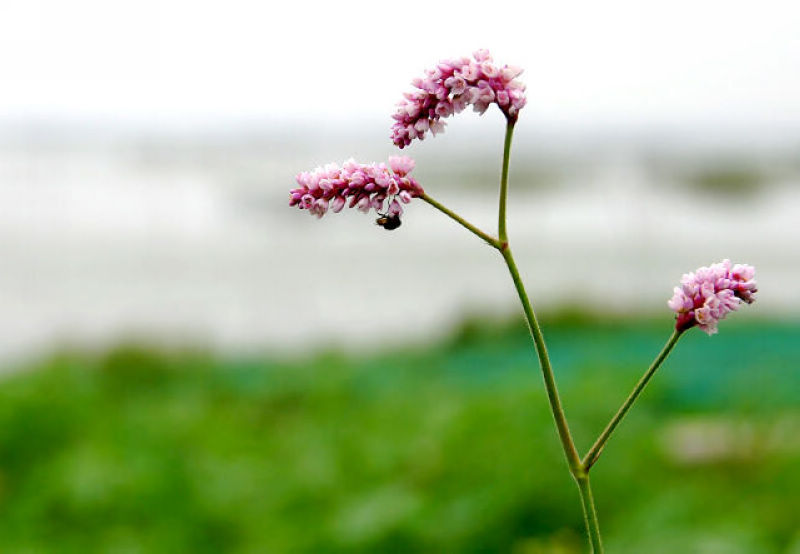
[
  {"x": 710, "y": 293},
  {"x": 452, "y": 86},
  {"x": 365, "y": 185}
]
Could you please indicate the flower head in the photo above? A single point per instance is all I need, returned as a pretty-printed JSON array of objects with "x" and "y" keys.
[
  {"x": 452, "y": 86},
  {"x": 363, "y": 186},
  {"x": 710, "y": 293}
]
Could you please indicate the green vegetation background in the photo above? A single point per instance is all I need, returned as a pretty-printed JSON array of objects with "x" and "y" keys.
[{"x": 439, "y": 448}]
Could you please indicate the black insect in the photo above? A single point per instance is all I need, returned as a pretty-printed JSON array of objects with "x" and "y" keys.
[{"x": 389, "y": 222}]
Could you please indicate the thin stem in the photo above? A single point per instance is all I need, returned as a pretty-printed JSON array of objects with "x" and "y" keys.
[
  {"x": 577, "y": 469},
  {"x": 596, "y": 449},
  {"x": 590, "y": 514},
  {"x": 570, "y": 452},
  {"x": 501, "y": 212},
  {"x": 573, "y": 459},
  {"x": 454, "y": 216}
]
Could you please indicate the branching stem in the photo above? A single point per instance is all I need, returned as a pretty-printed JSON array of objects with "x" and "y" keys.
[
  {"x": 461, "y": 221},
  {"x": 597, "y": 448}
]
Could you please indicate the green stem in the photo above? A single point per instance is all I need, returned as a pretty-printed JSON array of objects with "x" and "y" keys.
[
  {"x": 590, "y": 514},
  {"x": 469, "y": 226},
  {"x": 573, "y": 459},
  {"x": 577, "y": 469},
  {"x": 596, "y": 449},
  {"x": 568, "y": 445},
  {"x": 501, "y": 212}
]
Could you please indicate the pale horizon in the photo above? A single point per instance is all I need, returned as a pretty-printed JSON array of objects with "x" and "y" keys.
[{"x": 622, "y": 63}]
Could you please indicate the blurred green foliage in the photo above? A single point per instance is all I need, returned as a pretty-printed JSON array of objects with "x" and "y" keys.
[
  {"x": 444, "y": 448},
  {"x": 729, "y": 179}
]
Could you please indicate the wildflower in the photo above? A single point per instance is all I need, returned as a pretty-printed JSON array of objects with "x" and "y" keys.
[
  {"x": 452, "y": 86},
  {"x": 711, "y": 293},
  {"x": 363, "y": 186}
]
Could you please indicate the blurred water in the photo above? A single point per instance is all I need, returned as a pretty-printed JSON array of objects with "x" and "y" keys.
[{"x": 176, "y": 240}]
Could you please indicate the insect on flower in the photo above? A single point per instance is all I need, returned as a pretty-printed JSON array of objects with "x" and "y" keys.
[
  {"x": 361, "y": 186},
  {"x": 390, "y": 222}
]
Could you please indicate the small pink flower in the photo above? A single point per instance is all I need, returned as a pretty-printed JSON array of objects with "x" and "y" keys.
[
  {"x": 709, "y": 294},
  {"x": 451, "y": 87},
  {"x": 402, "y": 165},
  {"x": 367, "y": 186}
]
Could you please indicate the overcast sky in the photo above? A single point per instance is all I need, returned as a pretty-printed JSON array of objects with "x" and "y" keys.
[{"x": 586, "y": 62}]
